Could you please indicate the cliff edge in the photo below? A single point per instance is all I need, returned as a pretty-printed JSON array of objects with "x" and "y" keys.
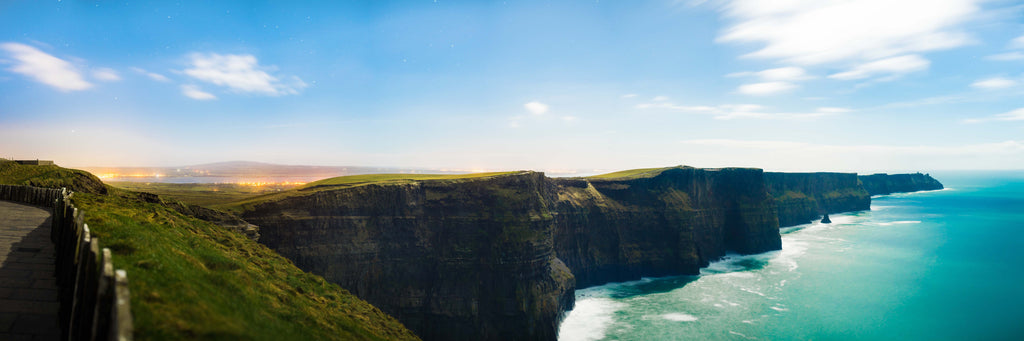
[{"x": 881, "y": 183}]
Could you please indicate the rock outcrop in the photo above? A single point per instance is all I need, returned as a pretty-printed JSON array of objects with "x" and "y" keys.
[
  {"x": 669, "y": 222},
  {"x": 468, "y": 259},
  {"x": 498, "y": 257},
  {"x": 881, "y": 183},
  {"x": 804, "y": 197},
  {"x": 482, "y": 258}
]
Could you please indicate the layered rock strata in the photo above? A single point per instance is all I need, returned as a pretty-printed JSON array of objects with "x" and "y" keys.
[
  {"x": 881, "y": 183},
  {"x": 669, "y": 223},
  {"x": 804, "y": 197},
  {"x": 498, "y": 257},
  {"x": 452, "y": 259}
]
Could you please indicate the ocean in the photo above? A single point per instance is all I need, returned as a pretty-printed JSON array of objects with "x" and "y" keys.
[{"x": 937, "y": 265}]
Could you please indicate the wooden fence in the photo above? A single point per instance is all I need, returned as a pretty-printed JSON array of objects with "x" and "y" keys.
[{"x": 94, "y": 298}]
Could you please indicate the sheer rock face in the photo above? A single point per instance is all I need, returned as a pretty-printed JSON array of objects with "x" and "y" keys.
[
  {"x": 669, "y": 224},
  {"x": 452, "y": 259},
  {"x": 880, "y": 184},
  {"x": 498, "y": 258},
  {"x": 804, "y": 197}
]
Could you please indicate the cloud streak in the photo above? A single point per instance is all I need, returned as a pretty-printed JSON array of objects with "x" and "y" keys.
[
  {"x": 106, "y": 74},
  {"x": 994, "y": 83},
  {"x": 194, "y": 92},
  {"x": 241, "y": 74},
  {"x": 741, "y": 111},
  {"x": 45, "y": 68},
  {"x": 812, "y": 32},
  {"x": 782, "y": 155},
  {"x": 1014, "y": 115},
  {"x": 891, "y": 67}
]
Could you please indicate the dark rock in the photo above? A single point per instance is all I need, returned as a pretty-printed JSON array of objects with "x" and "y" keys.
[
  {"x": 881, "y": 183},
  {"x": 826, "y": 220},
  {"x": 803, "y": 197}
]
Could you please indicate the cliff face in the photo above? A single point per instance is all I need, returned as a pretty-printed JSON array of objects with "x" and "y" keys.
[
  {"x": 498, "y": 257},
  {"x": 879, "y": 184},
  {"x": 804, "y": 197},
  {"x": 452, "y": 259},
  {"x": 672, "y": 223}
]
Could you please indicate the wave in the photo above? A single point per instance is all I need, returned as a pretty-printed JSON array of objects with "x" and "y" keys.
[
  {"x": 679, "y": 317},
  {"x": 589, "y": 319},
  {"x": 900, "y": 222}
]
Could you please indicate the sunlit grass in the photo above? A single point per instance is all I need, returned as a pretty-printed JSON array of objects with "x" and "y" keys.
[{"x": 191, "y": 279}]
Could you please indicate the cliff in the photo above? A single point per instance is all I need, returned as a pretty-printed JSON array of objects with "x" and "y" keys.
[
  {"x": 879, "y": 184},
  {"x": 661, "y": 222},
  {"x": 453, "y": 259},
  {"x": 482, "y": 257},
  {"x": 804, "y": 197}
]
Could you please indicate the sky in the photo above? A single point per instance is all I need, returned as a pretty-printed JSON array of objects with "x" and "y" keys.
[{"x": 793, "y": 85}]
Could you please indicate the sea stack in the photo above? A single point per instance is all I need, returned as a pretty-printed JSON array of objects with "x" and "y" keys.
[{"x": 826, "y": 220}]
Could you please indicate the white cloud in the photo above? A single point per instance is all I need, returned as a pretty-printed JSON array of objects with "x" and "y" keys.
[
  {"x": 789, "y": 73},
  {"x": 44, "y": 68},
  {"x": 193, "y": 92},
  {"x": 765, "y": 88},
  {"x": 737, "y": 111},
  {"x": 814, "y": 32},
  {"x": 891, "y": 67},
  {"x": 241, "y": 73},
  {"x": 629, "y": 95},
  {"x": 833, "y": 110},
  {"x": 1017, "y": 43},
  {"x": 1005, "y": 57},
  {"x": 1014, "y": 115},
  {"x": 106, "y": 74},
  {"x": 152, "y": 75},
  {"x": 536, "y": 108},
  {"x": 994, "y": 83},
  {"x": 660, "y": 98},
  {"x": 802, "y": 156}
]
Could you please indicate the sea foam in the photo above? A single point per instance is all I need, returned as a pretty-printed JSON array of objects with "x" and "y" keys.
[{"x": 589, "y": 319}]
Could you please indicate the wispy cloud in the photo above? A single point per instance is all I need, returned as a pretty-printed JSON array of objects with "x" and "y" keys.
[
  {"x": 869, "y": 38},
  {"x": 1014, "y": 115},
  {"x": 782, "y": 155},
  {"x": 788, "y": 73},
  {"x": 194, "y": 92},
  {"x": 994, "y": 83},
  {"x": 536, "y": 108},
  {"x": 774, "y": 81},
  {"x": 809, "y": 32},
  {"x": 740, "y": 111},
  {"x": 765, "y": 88},
  {"x": 890, "y": 67},
  {"x": 1017, "y": 43},
  {"x": 45, "y": 68},
  {"x": 106, "y": 74},
  {"x": 241, "y": 73},
  {"x": 152, "y": 75},
  {"x": 1006, "y": 57}
]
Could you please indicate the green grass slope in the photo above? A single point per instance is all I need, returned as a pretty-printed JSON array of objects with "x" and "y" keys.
[
  {"x": 190, "y": 279},
  {"x": 632, "y": 173},
  {"x": 353, "y": 181}
]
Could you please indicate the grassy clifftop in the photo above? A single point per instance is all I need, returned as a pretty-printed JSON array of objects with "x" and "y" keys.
[
  {"x": 353, "y": 181},
  {"x": 191, "y": 279},
  {"x": 632, "y": 173},
  {"x": 50, "y": 176}
]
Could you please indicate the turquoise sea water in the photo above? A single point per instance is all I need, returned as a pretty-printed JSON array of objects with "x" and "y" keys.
[{"x": 939, "y": 265}]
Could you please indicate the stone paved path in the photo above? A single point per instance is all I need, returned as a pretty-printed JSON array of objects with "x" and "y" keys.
[{"x": 28, "y": 289}]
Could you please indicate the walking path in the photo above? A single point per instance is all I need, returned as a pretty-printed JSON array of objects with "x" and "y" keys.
[{"x": 28, "y": 289}]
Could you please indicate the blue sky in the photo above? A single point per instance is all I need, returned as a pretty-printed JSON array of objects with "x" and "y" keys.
[{"x": 547, "y": 85}]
